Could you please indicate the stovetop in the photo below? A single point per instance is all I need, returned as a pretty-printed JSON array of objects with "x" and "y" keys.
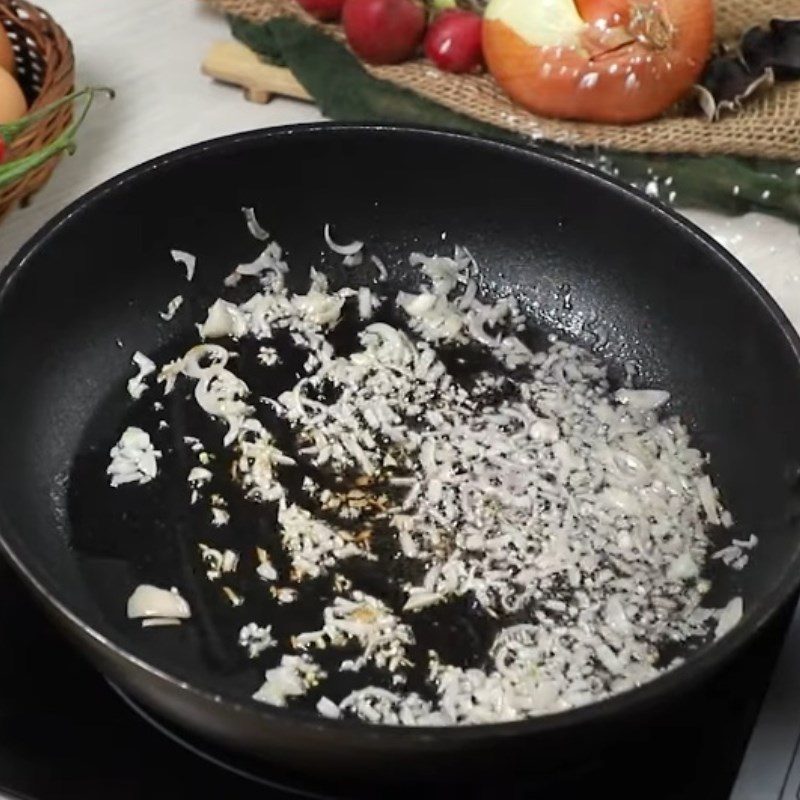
[{"x": 65, "y": 733}]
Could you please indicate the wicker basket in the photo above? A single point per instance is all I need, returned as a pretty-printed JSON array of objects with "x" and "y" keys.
[{"x": 45, "y": 68}]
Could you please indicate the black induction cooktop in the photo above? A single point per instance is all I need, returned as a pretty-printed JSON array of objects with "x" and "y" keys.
[{"x": 66, "y": 733}]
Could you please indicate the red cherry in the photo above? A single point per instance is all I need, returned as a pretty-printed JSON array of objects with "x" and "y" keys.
[
  {"x": 454, "y": 42},
  {"x": 384, "y": 31},
  {"x": 324, "y": 10}
]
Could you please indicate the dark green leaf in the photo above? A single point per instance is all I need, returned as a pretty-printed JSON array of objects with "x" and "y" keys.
[{"x": 259, "y": 38}]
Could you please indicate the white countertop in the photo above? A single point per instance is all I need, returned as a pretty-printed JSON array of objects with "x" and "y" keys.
[{"x": 150, "y": 51}]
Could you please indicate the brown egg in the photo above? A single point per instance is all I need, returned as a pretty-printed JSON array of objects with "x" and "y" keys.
[
  {"x": 6, "y": 52},
  {"x": 12, "y": 101}
]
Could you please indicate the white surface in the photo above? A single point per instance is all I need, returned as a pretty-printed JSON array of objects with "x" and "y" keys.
[
  {"x": 150, "y": 51},
  {"x": 768, "y": 246}
]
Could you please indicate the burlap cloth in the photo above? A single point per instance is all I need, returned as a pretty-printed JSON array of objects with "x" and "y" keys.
[{"x": 768, "y": 127}]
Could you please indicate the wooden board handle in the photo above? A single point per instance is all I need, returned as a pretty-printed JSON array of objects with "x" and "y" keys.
[{"x": 232, "y": 62}]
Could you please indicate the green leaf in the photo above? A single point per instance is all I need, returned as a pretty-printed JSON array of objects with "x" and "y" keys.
[
  {"x": 259, "y": 38},
  {"x": 725, "y": 184}
]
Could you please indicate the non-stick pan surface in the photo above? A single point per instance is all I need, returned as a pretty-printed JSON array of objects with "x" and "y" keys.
[{"x": 588, "y": 258}]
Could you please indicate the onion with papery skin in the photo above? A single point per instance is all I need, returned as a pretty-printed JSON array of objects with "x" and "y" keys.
[{"x": 615, "y": 61}]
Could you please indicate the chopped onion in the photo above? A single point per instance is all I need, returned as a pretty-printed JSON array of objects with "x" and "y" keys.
[
  {"x": 134, "y": 459},
  {"x": 381, "y": 635},
  {"x": 355, "y": 260},
  {"x": 191, "y": 365},
  {"x": 729, "y": 617},
  {"x": 199, "y": 475},
  {"x": 234, "y": 598},
  {"x": 708, "y": 498},
  {"x": 253, "y": 226},
  {"x": 149, "y": 601},
  {"x": 383, "y": 273},
  {"x": 220, "y": 517},
  {"x": 540, "y": 489},
  {"x": 172, "y": 308},
  {"x": 328, "y": 708},
  {"x": 365, "y": 303},
  {"x": 341, "y": 249},
  {"x": 643, "y": 399},
  {"x": 292, "y": 678},
  {"x": 187, "y": 260},
  {"x": 136, "y": 385},
  {"x": 683, "y": 567},
  {"x": 269, "y": 267},
  {"x": 224, "y": 319},
  {"x": 256, "y": 639},
  {"x": 420, "y": 598}
]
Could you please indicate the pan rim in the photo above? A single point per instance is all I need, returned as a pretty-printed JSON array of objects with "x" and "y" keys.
[{"x": 702, "y": 664}]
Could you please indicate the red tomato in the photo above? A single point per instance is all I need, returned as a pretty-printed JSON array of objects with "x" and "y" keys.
[
  {"x": 383, "y": 31},
  {"x": 453, "y": 41}
]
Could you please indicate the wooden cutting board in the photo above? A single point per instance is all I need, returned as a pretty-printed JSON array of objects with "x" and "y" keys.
[{"x": 232, "y": 62}]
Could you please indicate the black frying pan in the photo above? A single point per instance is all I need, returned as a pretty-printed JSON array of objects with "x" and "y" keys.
[{"x": 590, "y": 260}]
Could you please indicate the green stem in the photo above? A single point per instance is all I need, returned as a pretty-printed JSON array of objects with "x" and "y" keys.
[
  {"x": 11, "y": 130},
  {"x": 13, "y": 170}
]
